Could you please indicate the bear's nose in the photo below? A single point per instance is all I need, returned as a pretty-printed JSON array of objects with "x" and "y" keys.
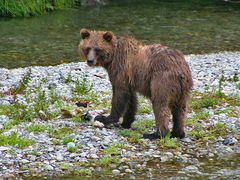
[{"x": 90, "y": 62}]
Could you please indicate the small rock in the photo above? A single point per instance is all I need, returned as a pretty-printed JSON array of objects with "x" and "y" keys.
[
  {"x": 229, "y": 141},
  {"x": 164, "y": 158},
  {"x": 168, "y": 154},
  {"x": 3, "y": 148},
  {"x": 24, "y": 161},
  {"x": 116, "y": 172},
  {"x": 128, "y": 171},
  {"x": 51, "y": 149},
  {"x": 191, "y": 168},
  {"x": 186, "y": 140},
  {"x": 49, "y": 167},
  {"x": 59, "y": 157},
  {"x": 71, "y": 145},
  {"x": 9, "y": 176}
]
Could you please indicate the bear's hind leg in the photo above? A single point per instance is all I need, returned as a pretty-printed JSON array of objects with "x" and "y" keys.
[
  {"x": 131, "y": 108},
  {"x": 178, "y": 115},
  {"x": 161, "y": 112}
]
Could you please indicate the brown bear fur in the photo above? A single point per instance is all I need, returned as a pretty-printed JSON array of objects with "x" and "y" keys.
[{"x": 155, "y": 71}]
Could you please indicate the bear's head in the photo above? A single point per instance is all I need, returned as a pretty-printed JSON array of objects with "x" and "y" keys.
[{"x": 97, "y": 47}]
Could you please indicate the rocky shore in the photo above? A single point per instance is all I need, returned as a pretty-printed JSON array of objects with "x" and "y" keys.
[{"x": 45, "y": 132}]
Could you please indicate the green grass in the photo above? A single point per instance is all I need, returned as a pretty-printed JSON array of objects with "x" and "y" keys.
[
  {"x": 60, "y": 132},
  {"x": 142, "y": 125},
  {"x": 23, "y": 83},
  {"x": 67, "y": 139},
  {"x": 37, "y": 106},
  {"x": 229, "y": 111},
  {"x": 37, "y": 128},
  {"x": 196, "y": 117},
  {"x": 72, "y": 149},
  {"x": 107, "y": 160},
  {"x": 15, "y": 140},
  {"x": 81, "y": 88},
  {"x": 25, "y": 8},
  {"x": 144, "y": 108},
  {"x": 132, "y": 136},
  {"x": 168, "y": 143},
  {"x": 82, "y": 172},
  {"x": 238, "y": 85},
  {"x": 203, "y": 101},
  {"x": 212, "y": 132},
  {"x": 113, "y": 149}
]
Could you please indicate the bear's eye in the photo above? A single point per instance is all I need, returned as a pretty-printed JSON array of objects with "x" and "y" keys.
[
  {"x": 87, "y": 50},
  {"x": 97, "y": 51}
]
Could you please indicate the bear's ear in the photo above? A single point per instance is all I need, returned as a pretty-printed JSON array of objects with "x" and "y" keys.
[
  {"x": 108, "y": 36},
  {"x": 84, "y": 33}
]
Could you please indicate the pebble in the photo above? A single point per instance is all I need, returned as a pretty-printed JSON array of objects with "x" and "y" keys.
[
  {"x": 3, "y": 148},
  {"x": 71, "y": 145},
  {"x": 190, "y": 168},
  {"x": 128, "y": 171},
  {"x": 49, "y": 167},
  {"x": 116, "y": 172}
]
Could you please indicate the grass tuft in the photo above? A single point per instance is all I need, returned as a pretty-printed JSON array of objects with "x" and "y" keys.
[
  {"x": 15, "y": 140},
  {"x": 36, "y": 128},
  {"x": 168, "y": 143},
  {"x": 25, "y": 8}
]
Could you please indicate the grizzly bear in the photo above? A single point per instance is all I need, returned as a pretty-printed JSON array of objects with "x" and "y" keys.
[{"x": 155, "y": 71}]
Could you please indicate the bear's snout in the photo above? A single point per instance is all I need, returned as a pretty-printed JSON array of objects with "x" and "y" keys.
[{"x": 90, "y": 62}]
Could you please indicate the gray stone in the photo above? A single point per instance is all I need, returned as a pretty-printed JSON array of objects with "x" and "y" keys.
[
  {"x": 128, "y": 171},
  {"x": 116, "y": 172},
  {"x": 49, "y": 167},
  {"x": 190, "y": 168}
]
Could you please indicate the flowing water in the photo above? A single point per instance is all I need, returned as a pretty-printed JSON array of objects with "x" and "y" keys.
[{"x": 193, "y": 26}]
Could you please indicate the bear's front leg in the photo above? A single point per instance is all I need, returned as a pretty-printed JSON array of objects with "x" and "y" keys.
[{"x": 119, "y": 99}]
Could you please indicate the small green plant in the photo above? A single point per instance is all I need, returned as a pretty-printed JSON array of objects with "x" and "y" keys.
[
  {"x": 79, "y": 117},
  {"x": 229, "y": 111},
  {"x": 238, "y": 85},
  {"x": 68, "y": 79},
  {"x": 10, "y": 123},
  {"x": 23, "y": 83},
  {"x": 113, "y": 149},
  {"x": 212, "y": 132},
  {"x": 67, "y": 139},
  {"x": 83, "y": 172},
  {"x": 72, "y": 149},
  {"x": 235, "y": 78},
  {"x": 14, "y": 140},
  {"x": 107, "y": 160},
  {"x": 59, "y": 133},
  {"x": 132, "y": 136},
  {"x": 143, "y": 125},
  {"x": 65, "y": 166},
  {"x": 206, "y": 88},
  {"x": 196, "y": 117},
  {"x": 205, "y": 101},
  {"x": 81, "y": 87},
  {"x": 219, "y": 92},
  {"x": 37, "y": 128},
  {"x": 168, "y": 143}
]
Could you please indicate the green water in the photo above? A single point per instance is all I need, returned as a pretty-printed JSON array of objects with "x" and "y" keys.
[{"x": 193, "y": 26}]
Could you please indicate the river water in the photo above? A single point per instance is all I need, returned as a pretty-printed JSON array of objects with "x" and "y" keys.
[{"x": 193, "y": 26}]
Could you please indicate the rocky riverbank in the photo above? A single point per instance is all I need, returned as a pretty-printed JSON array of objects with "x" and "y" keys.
[{"x": 44, "y": 130}]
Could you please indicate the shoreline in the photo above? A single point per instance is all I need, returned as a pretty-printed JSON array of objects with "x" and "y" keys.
[{"x": 61, "y": 143}]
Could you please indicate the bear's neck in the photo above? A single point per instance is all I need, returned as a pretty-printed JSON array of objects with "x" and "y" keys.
[{"x": 124, "y": 48}]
